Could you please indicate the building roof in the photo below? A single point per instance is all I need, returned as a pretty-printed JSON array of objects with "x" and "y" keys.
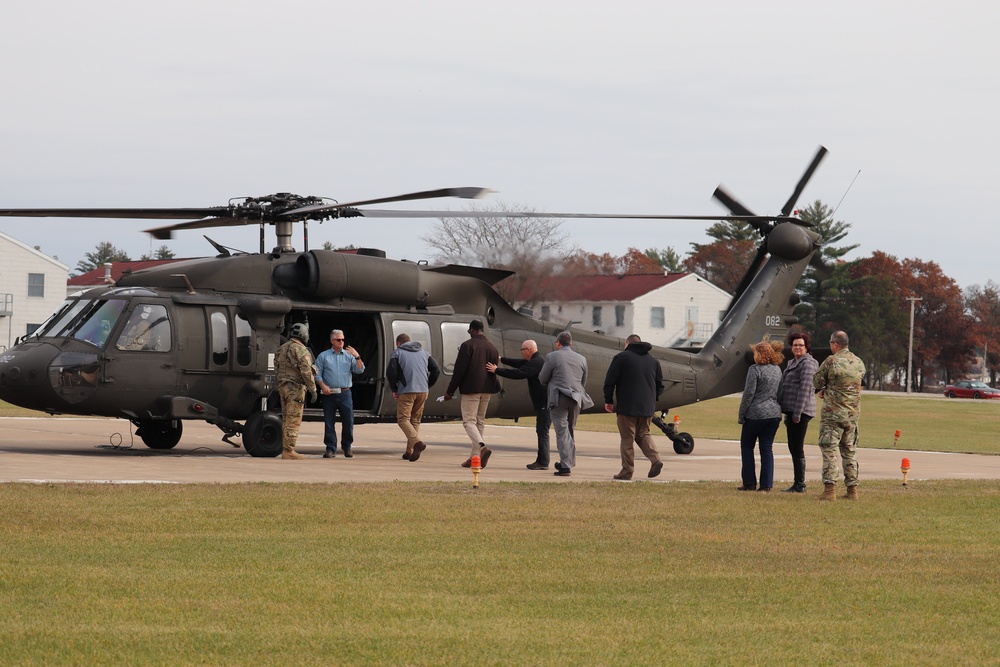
[
  {"x": 37, "y": 253},
  {"x": 98, "y": 275},
  {"x": 604, "y": 288}
]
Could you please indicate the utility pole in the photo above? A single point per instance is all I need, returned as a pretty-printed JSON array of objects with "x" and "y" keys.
[{"x": 909, "y": 355}]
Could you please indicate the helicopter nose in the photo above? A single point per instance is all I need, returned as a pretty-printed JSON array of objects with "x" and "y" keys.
[{"x": 41, "y": 376}]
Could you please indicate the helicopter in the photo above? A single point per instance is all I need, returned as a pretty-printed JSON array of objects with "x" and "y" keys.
[{"x": 196, "y": 339}]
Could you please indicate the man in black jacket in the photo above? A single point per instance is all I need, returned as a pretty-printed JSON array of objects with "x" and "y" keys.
[
  {"x": 638, "y": 380},
  {"x": 477, "y": 386},
  {"x": 527, "y": 368}
]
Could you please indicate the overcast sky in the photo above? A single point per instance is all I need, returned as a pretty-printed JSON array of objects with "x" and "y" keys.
[{"x": 560, "y": 106}]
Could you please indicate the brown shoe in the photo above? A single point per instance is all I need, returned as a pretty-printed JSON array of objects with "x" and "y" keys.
[
  {"x": 484, "y": 455},
  {"x": 655, "y": 469},
  {"x": 406, "y": 456},
  {"x": 467, "y": 463},
  {"x": 418, "y": 447},
  {"x": 291, "y": 454},
  {"x": 752, "y": 487},
  {"x": 624, "y": 475}
]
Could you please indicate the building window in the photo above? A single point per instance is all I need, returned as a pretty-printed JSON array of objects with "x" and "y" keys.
[
  {"x": 546, "y": 313},
  {"x": 36, "y": 284},
  {"x": 595, "y": 316},
  {"x": 619, "y": 316},
  {"x": 656, "y": 317}
]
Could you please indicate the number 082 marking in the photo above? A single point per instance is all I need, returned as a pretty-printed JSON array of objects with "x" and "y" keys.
[{"x": 772, "y": 320}]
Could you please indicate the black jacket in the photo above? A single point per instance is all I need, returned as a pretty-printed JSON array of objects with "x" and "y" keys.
[
  {"x": 471, "y": 376},
  {"x": 527, "y": 370},
  {"x": 637, "y": 379}
]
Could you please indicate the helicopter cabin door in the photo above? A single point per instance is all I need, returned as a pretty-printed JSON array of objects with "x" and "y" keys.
[
  {"x": 363, "y": 332},
  {"x": 140, "y": 356}
]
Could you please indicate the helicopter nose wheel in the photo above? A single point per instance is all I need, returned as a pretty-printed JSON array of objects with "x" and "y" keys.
[
  {"x": 160, "y": 434},
  {"x": 683, "y": 442},
  {"x": 262, "y": 434}
]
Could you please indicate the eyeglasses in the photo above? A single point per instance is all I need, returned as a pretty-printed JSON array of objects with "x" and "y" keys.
[{"x": 798, "y": 345}]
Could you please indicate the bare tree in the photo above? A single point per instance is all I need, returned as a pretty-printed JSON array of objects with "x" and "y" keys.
[{"x": 528, "y": 246}]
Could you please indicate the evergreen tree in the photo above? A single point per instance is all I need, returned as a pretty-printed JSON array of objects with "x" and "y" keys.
[{"x": 103, "y": 252}]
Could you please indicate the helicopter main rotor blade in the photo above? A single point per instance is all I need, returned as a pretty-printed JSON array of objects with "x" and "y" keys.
[
  {"x": 134, "y": 213},
  {"x": 385, "y": 213},
  {"x": 164, "y": 233},
  {"x": 730, "y": 202},
  {"x": 461, "y": 193},
  {"x": 790, "y": 204}
]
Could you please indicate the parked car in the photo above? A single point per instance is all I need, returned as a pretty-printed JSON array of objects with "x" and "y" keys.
[{"x": 971, "y": 389}]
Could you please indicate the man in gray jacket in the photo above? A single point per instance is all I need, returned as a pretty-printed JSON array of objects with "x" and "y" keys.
[
  {"x": 565, "y": 376},
  {"x": 637, "y": 379},
  {"x": 411, "y": 374}
]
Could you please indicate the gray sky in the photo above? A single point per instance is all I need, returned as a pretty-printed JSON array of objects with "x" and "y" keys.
[{"x": 561, "y": 106}]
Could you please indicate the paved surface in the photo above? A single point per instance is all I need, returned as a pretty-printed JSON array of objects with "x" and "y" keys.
[{"x": 91, "y": 449}]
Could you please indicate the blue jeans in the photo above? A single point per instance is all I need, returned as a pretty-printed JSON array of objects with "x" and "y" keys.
[
  {"x": 758, "y": 430},
  {"x": 344, "y": 404}
]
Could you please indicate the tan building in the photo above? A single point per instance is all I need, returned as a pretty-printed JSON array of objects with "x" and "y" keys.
[{"x": 32, "y": 286}]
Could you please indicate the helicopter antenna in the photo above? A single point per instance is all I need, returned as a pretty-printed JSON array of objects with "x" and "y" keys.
[
  {"x": 305, "y": 235},
  {"x": 845, "y": 193}
]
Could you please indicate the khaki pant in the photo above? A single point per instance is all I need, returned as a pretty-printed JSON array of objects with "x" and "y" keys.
[
  {"x": 409, "y": 412},
  {"x": 474, "y": 418},
  {"x": 636, "y": 429}
]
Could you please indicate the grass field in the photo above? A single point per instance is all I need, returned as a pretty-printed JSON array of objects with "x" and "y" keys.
[{"x": 514, "y": 574}]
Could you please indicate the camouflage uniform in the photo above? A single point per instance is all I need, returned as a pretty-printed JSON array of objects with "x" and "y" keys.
[
  {"x": 839, "y": 378},
  {"x": 293, "y": 364}
]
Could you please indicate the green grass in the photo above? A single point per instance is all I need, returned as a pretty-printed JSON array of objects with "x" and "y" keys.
[
  {"x": 514, "y": 574},
  {"x": 929, "y": 425}
]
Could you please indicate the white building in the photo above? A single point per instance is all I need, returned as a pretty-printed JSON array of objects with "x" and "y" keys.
[
  {"x": 670, "y": 310},
  {"x": 32, "y": 286}
]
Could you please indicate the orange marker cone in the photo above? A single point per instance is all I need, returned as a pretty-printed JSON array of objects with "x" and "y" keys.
[
  {"x": 895, "y": 438},
  {"x": 476, "y": 468},
  {"x": 904, "y": 467}
]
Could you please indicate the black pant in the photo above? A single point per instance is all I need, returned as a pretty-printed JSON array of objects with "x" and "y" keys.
[
  {"x": 796, "y": 435},
  {"x": 543, "y": 421}
]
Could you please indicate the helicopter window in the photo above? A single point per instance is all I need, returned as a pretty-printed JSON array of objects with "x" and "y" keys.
[
  {"x": 220, "y": 339},
  {"x": 148, "y": 328},
  {"x": 97, "y": 321},
  {"x": 656, "y": 320},
  {"x": 67, "y": 311},
  {"x": 418, "y": 331},
  {"x": 453, "y": 334},
  {"x": 244, "y": 334}
]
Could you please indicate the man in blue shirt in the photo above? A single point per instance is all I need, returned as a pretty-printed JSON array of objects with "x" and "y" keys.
[{"x": 334, "y": 369}]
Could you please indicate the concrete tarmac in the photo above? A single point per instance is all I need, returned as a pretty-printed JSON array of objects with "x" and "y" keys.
[{"x": 105, "y": 450}]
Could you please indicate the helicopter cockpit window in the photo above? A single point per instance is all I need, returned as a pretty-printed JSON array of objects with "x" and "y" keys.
[
  {"x": 96, "y": 321},
  {"x": 148, "y": 329},
  {"x": 220, "y": 339},
  {"x": 418, "y": 331},
  {"x": 58, "y": 320},
  {"x": 244, "y": 340},
  {"x": 453, "y": 334}
]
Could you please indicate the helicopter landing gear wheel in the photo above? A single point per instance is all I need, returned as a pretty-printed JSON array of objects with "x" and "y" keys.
[
  {"x": 262, "y": 434},
  {"x": 683, "y": 443},
  {"x": 159, "y": 434}
]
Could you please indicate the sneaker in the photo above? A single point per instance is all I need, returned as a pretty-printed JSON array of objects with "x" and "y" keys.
[
  {"x": 562, "y": 472},
  {"x": 536, "y": 466},
  {"x": 417, "y": 448},
  {"x": 655, "y": 469},
  {"x": 484, "y": 455}
]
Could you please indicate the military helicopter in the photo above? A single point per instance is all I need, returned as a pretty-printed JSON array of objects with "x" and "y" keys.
[{"x": 195, "y": 339}]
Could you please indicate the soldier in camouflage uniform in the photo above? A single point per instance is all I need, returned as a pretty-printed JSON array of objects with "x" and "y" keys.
[
  {"x": 838, "y": 382},
  {"x": 293, "y": 364}
]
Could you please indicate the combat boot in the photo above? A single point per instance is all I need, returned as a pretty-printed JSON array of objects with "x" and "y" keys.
[
  {"x": 829, "y": 492},
  {"x": 291, "y": 454},
  {"x": 852, "y": 492}
]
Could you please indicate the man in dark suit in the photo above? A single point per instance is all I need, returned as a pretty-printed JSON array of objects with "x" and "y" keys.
[
  {"x": 637, "y": 379},
  {"x": 565, "y": 376},
  {"x": 527, "y": 368}
]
